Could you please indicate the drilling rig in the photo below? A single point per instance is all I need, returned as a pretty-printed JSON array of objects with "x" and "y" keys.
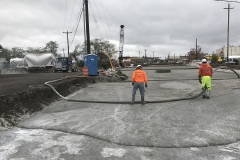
[{"x": 121, "y": 43}]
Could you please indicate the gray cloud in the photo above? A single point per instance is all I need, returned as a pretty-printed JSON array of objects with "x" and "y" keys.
[{"x": 161, "y": 27}]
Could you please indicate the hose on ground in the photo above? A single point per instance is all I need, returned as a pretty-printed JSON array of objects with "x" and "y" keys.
[{"x": 129, "y": 102}]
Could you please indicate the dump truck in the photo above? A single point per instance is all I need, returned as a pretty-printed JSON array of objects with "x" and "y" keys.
[{"x": 36, "y": 63}]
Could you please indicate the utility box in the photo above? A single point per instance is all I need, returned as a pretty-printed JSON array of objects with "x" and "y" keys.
[{"x": 91, "y": 61}]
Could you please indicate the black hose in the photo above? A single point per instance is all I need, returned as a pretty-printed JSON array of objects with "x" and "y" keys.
[{"x": 129, "y": 102}]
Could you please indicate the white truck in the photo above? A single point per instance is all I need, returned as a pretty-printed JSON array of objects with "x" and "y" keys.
[{"x": 36, "y": 63}]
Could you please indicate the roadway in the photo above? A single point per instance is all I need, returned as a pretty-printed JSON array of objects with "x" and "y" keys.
[{"x": 191, "y": 129}]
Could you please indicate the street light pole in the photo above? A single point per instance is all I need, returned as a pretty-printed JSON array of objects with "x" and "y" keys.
[
  {"x": 228, "y": 29},
  {"x": 228, "y": 24}
]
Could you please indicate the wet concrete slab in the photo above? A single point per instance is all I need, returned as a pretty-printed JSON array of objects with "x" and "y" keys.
[{"x": 189, "y": 129}]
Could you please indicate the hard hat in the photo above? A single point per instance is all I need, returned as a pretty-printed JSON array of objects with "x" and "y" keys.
[
  {"x": 204, "y": 60},
  {"x": 139, "y": 66}
]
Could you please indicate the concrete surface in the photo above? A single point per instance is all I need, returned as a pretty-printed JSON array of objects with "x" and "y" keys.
[{"x": 197, "y": 129}]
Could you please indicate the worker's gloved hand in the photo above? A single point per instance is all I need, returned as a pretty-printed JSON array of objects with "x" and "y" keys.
[
  {"x": 132, "y": 83},
  {"x": 146, "y": 85},
  {"x": 200, "y": 79}
]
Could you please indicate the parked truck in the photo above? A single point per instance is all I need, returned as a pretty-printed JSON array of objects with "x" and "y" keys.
[
  {"x": 36, "y": 63},
  {"x": 64, "y": 64}
]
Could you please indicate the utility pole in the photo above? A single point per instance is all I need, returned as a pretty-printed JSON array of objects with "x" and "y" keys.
[
  {"x": 139, "y": 54},
  {"x": 67, "y": 41},
  {"x": 84, "y": 25},
  {"x": 196, "y": 49},
  {"x": 228, "y": 29},
  {"x": 87, "y": 27},
  {"x": 145, "y": 53}
]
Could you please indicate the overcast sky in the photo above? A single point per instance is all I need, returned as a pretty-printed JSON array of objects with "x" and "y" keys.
[{"x": 159, "y": 26}]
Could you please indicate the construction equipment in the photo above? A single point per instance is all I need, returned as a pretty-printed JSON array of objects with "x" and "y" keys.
[
  {"x": 109, "y": 60},
  {"x": 121, "y": 43}
]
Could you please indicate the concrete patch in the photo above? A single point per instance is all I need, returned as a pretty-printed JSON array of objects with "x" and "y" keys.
[{"x": 109, "y": 152}]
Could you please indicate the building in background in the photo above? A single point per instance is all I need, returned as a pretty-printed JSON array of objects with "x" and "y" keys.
[{"x": 232, "y": 51}]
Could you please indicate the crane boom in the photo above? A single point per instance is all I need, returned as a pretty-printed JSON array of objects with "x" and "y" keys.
[{"x": 121, "y": 43}]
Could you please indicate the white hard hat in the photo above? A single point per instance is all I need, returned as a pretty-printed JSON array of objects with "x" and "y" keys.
[
  {"x": 139, "y": 66},
  {"x": 204, "y": 60}
]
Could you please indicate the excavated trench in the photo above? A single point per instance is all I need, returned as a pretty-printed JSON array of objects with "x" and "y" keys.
[{"x": 15, "y": 106}]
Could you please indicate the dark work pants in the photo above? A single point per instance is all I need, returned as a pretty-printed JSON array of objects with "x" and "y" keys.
[{"x": 140, "y": 86}]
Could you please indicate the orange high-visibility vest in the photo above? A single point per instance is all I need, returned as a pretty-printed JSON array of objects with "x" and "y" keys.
[{"x": 139, "y": 76}]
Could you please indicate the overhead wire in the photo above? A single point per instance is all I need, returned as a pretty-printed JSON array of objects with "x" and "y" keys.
[
  {"x": 213, "y": 23},
  {"x": 219, "y": 16},
  {"x": 64, "y": 21},
  {"x": 78, "y": 20},
  {"x": 101, "y": 20},
  {"x": 71, "y": 14},
  {"x": 78, "y": 15},
  {"x": 106, "y": 20},
  {"x": 95, "y": 20}
]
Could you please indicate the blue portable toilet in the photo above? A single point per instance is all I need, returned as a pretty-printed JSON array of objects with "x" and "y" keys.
[{"x": 91, "y": 61}]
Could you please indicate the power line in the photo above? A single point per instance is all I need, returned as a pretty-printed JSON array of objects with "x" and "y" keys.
[
  {"x": 101, "y": 20},
  {"x": 221, "y": 15},
  {"x": 81, "y": 4},
  {"x": 106, "y": 20},
  {"x": 214, "y": 22},
  {"x": 65, "y": 18},
  {"x": 94, "y": 18},
  {"x": 71, "y": 14},
  {"x": 81, "y": 11}
]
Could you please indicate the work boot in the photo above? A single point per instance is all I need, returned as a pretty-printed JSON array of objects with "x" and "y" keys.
[
  {"x": 133, "y": 99},
  {"x": 205, "y": 94},
  {"x": 208, "y": 94},
  {"x": 142, "y": 100}
]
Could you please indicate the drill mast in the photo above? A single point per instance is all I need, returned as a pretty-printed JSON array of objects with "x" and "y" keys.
[{"x": 121, "y": 43}]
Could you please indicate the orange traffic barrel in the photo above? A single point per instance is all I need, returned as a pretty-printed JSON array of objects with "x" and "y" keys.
[{"x": 85, "y": 71}]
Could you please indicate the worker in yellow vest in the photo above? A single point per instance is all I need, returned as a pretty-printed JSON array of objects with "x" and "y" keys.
[{"x": 205, "y": 77}]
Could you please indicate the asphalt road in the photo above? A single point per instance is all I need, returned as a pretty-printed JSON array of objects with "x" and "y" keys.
[
  {"x": 12, "y": 82},
  {"x": 197, "y": 129}
]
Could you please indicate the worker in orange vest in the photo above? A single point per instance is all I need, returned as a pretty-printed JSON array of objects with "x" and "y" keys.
[
  {"x": 139, "y": 78},
  {"x": 205, "y": 77}
]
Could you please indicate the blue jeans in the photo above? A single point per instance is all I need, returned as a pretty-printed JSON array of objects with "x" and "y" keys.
[{"x": 140, "y": 86}]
